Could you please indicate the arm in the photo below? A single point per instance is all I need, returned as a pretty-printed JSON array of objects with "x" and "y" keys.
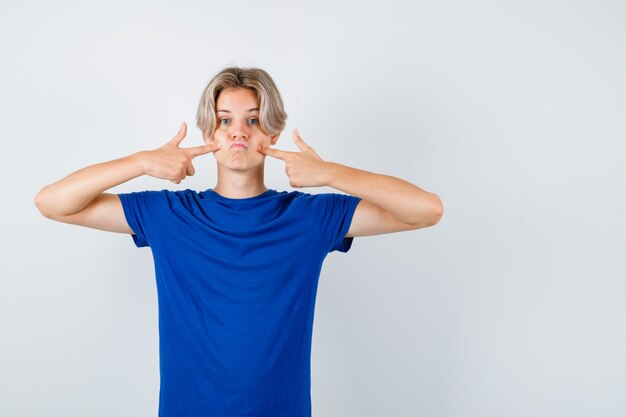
[
  {"x": 79, "y": 198},
  {"x": 389, "y": 204},
  {"x": 74, "y": 192}
]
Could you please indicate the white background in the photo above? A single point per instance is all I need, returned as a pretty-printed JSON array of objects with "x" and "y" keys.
[{"x": 512, "y": 112}]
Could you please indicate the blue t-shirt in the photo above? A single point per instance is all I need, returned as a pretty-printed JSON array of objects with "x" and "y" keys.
[{"x": 236, "y": 284}]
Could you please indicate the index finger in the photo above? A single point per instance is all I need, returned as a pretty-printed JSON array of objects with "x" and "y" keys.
[
  {"x": 201, "y": 150},
  {"x": 276, "y": 153}
]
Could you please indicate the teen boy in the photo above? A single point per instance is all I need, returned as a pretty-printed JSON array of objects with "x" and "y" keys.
[{"x": 237, "y": 265}]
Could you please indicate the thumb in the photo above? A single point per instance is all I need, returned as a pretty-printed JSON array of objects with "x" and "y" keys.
[{"x": 179, "y": 136}]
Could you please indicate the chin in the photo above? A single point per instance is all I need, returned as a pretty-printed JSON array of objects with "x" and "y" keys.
[{"x": 241, "y": 165}]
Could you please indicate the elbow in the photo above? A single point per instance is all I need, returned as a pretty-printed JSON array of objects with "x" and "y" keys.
[
  {"x": 438, "y": 215},
  {"x": 39, "y": 201},
  {"x": 428, "y": 214},
  {"x": 437, "y": 210},
  {"x": 39, "y": 204}
]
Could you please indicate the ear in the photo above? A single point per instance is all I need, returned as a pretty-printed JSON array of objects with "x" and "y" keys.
[{"x": 274, "y": 139}]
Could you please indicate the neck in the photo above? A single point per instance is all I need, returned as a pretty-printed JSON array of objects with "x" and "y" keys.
[{"x": 240, "y": 184}]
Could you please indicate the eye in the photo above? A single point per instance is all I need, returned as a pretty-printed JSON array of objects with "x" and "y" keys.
[
  {"x": 256, "y": 121},
  {"x": 221, "y": 120}
]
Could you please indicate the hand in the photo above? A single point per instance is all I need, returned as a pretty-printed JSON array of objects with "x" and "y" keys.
[
  {"x": 169, "y": 162},
  {"x": 304, "y": 169}
]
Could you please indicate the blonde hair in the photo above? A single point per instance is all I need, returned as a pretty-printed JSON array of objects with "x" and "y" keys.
[{"x": 272, "y": 116}]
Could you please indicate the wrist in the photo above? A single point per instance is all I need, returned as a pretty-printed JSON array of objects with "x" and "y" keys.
[
  {"x": 332, "y": 171},
  {"x": 138, "y": 161}
]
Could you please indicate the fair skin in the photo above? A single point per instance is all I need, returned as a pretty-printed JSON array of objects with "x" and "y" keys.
[
  {"x": 388, "y": 205},
  {"x": 240, "y": 170}
]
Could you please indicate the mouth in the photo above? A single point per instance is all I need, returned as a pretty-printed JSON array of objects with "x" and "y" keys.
[{"x": 239, "y": 146}]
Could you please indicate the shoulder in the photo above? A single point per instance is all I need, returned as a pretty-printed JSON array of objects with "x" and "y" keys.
[
  {"x": 310, "y": 200},
  {"x": 154, "y": 198},
  {"x": 329, "y": 199}
]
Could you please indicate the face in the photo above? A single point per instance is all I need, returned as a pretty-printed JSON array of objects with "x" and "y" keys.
[{"x": 238, "y": 130}]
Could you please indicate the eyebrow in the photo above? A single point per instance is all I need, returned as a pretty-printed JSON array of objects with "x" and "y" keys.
[{"x": 228, "y": 111}]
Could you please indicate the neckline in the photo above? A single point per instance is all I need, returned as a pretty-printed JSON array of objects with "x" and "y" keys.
[{"x": 217, "y": 196}]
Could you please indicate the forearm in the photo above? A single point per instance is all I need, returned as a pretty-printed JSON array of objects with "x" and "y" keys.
[
  {"x": 74, "y": 192},
  {"x": 404, "y": 200}
]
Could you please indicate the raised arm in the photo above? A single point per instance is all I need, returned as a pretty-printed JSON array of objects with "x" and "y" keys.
[
  {"x": 79, "y": 198},
  {"x": 388, "y": 204}
]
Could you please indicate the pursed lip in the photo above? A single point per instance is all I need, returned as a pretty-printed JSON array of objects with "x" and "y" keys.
[{"x": 239, "y": 144}]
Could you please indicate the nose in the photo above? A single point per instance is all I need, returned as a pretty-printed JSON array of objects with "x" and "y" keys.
[{"x": 239, "y": 130}]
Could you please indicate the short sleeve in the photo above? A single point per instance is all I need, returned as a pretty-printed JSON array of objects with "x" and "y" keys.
[
  {"x": 140, "y": 209},
  {"x": 333, "y": 216}
]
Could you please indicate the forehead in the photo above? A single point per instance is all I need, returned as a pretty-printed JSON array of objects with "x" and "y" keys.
[{"x": 240, "y": 100}]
